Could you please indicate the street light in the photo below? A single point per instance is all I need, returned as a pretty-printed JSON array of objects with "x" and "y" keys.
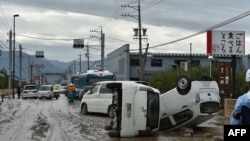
[
  {"x": 14, "y": 34},
  {"x": 210, "y": 57}
]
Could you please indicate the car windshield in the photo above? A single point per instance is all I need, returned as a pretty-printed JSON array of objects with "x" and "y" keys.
[
  {"x": 44, "y": 88},
  {"x": 57, "y": 87},
  {"x": 30, "y": 87}
]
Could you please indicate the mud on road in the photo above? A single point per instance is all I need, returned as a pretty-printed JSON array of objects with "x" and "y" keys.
[{"x": 57, "y": 120}]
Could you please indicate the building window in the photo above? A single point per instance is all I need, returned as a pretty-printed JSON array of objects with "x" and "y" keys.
[
  {"x": 134, "y": 62},
  {"x": 195, "y": 63},
  {"x": 156, "y": 62}
]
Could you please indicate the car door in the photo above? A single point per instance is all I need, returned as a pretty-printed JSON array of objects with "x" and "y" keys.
[
  {"x": 92, "y": 97},
  {"x": 104, "y": 98}
]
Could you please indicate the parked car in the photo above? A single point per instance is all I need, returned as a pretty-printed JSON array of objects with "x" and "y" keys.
[
  {"x": 98, "y": 99},
  {"x": 29, "y": 91},
  {"x": 82, "y": 92},
  {"x": 46, "y": 91},
  {"x": 189, "y": 104},
  {"x": 63, "y": 89}
]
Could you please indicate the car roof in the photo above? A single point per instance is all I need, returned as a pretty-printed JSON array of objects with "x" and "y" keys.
[{"x": 46, "y": 85}]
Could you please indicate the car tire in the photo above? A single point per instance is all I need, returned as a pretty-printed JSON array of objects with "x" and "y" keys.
[
  {"x": 205, "y": 78},
  {"x": 111, "y": 111},
  {"x": 183, "y": 84},
  {"x": 84, "y": 109},
  {"x": 114, "y": 133}
]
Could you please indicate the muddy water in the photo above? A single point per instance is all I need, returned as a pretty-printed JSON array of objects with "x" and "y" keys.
[{"x": 50, "y": 120}]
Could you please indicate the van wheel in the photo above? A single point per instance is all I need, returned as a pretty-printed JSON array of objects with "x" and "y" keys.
[
  {"x": 84, "y": 109},
  {"x": 108, "y": 127},
  {"x": 111, "y": 111},
  {"x": 114, "y": 133},
  {"x": 183, "y": 84}
]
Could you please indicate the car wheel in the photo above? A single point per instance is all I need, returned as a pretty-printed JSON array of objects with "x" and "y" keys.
[
  {"x": 205, "y": 78},
  {"x": 111, "y": 111},
  {"x": 114, "y": 133},
  {"x": 84, "y": 109},
  {"x": 183, "y": 84}
]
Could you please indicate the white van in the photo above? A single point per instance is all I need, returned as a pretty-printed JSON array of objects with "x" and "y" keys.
[
  {"x": 189, "y": 104},
  {"x": 98, "y": 99},
  {"x": 137, "y": 109}
]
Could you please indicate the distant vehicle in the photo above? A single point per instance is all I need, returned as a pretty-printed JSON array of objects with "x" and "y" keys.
[
  {"x": 98, "y": 99},
  {"x": 56, "y": 89},
  {"x": 72, "y": 78},
  {"x": 85, "y": 90},
  {"x": 29, "y": 91},
  {"x": 64, "y": 82},
  {"x": 137, "y": 109},
  {"x": 91, "y": 77},
  {"x": 189, "y": 104},
  {"x": 46, "y": 91},
  {"x": 63, "y": 89}
]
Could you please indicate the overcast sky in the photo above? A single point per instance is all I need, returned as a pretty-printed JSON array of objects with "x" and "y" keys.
[{"x": 51, "y": 25}]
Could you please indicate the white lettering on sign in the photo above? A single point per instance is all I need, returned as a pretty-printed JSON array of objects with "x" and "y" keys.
[{"x": 236, "y": 132}]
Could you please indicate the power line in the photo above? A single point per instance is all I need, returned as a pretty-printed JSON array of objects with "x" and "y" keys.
[
  {"x": 205, "y": 30},
  {"x": 48, "y": 38}
]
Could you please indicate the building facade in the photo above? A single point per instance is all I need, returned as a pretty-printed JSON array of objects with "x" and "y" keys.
[{"x": 126, "y": 64}]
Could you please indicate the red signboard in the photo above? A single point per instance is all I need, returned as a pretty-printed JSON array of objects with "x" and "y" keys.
[{"x": 225, "y": 77}]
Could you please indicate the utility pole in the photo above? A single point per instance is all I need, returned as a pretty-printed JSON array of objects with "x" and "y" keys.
[
  {"x": 14, "y": 51},
  {"x": 102, "y": 38},
  {"x": 190, "y": 61},
  {"x": 138, "y": 17},
  {"x": 20, "y": 65},
  {"x": 31, "y": 72},
  {"x": 74, "y": 66},
  {"x": 87, "y": 55},
  {"x": 80, "y": 64},
  {"x": 10, "y": 62}
]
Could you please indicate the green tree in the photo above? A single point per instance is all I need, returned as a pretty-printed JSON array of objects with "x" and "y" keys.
[
  {"x": 167, "y": 80},
  {"x": 3, "y": 79}
]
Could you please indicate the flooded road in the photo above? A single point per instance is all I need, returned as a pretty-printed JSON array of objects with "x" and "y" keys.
[{"x": 50, "y": 120}]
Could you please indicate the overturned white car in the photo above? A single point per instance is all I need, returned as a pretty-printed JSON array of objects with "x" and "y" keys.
[
  {"x": 136, "y": 109},
  {"x": 189, "y": 104}
]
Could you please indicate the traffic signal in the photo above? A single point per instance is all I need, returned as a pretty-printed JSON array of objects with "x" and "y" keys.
[
  {"x": 78, "y": 45},
  {"x": 40, "y": 56}
]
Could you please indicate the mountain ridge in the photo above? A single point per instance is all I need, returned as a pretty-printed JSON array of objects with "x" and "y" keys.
[{"x": 41, "y": 65}]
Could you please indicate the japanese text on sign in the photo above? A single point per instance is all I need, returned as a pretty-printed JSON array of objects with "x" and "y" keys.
[
  {"x": 225, "y": 75},
  {"x": 227, "y": 42}
]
